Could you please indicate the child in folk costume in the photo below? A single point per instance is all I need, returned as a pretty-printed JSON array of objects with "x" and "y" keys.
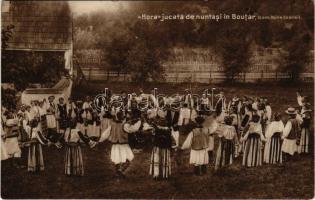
[
  {"x": 228, "y": 141},
  {"x": 197, "y": 140},
  {"x": 305, "y": 129},
  {"x": 160, "y": 166},
  {"x": 11, "y": 143},
  {"x": 73, "y": 158},
  {"x": 272, "y": 151},
  {"x": 121, "y": 153},
  {"x": 291, "y": 134},
  {"x": 253, "y": 138},
  {"x": 35, "y": 153}
]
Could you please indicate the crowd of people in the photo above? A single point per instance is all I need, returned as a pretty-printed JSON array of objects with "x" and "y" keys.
[{"x": 215, "y": 130}]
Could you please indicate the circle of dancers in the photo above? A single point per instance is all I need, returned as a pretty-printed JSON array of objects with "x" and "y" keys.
[{"x": 214, "y": 130}]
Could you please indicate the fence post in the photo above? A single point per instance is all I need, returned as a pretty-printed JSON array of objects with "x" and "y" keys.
[
  {"x": 262, "y": 74},
  {"x": 210, "y": 79},
  {"x": 90, "y": 71},
  {"x": 107, "y": 75},
  {"x": 276, "y": 75},
  {"x": 244, "y": 77}
]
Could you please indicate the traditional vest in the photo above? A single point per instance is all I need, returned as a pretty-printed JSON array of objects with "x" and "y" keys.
[
  {"x": 199, "y": 139},
  {"x": 294, "y": 129},
  {"x": 118, "y": 135}
]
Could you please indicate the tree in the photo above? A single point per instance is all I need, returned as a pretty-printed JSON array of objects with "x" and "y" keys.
[{"x": 296, "y": 56}]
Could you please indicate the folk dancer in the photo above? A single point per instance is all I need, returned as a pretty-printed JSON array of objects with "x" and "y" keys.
[
  {"x": 228, "y": 141},
  {"x": 73, "y": 154},
  {"x": 272, "y": 151},
  {"x": 197, "y": 141},
  {"x": 291, "y": 135},
  {"x": 253, "y": 139}
]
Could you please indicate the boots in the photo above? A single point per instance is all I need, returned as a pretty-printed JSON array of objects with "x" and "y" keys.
[{"x": 204, "y": 169}]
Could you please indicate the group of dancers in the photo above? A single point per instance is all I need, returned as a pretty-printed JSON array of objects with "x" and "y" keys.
[{"x": 215, "y": 133}]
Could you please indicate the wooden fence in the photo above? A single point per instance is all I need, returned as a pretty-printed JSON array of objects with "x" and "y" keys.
[{"x": 98, "y": 74}]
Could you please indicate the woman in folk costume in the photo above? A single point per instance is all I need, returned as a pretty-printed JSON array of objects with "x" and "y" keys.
[
  {"x": 160, "y": 166},
  {"x": 4, "y": 153},
  {"x": 22, "y": 118},
  {"x": 51, "y": 110},
  {"x": 204, "y": 104},
  {"x": 253, "y": 138},
  {"x": 212, "y": 124},
  {"x": 220, "y": 107},
  {"x": 291, "y": 134},
  {"x": 246, "y": 119},
  {"x": 71, "y": 107},
  {"x": 105, "y": 119},
  {"x": 305, "y": 129},
  {"x": 197, "y": 140},
  {"x": 35, "y": 153},
  {"x": 11, "y": 140},
  {"x": 62, "y": 115},
  {"x": 43, "y": 118},
  {"x": 228, "y": 141},
  {"x": 272, "y": 151},
  {"x": 88, "y": 121},
  {"x": 121, "y": 154},
  {"x": 79, "y": 113},
  {"x": 73, "y": 156},
  {"x": 95, "y": 130}
]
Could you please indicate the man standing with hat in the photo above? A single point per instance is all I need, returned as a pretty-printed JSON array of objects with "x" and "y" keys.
[{"x": 291, "y": 135}]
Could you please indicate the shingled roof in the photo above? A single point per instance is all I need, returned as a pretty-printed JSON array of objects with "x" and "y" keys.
[{"x": 38, "y": 25}]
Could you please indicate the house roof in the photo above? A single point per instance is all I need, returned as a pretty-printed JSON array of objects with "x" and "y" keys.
[{"x": 38, "y": 25}]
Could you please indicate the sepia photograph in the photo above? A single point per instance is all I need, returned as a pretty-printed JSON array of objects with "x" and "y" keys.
[{"x": 201, "y": 99}]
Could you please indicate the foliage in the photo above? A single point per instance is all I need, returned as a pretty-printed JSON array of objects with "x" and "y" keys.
[{"x": 22, "y": 68}]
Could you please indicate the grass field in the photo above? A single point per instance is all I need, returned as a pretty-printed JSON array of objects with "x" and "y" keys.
[{"x": 295, "y": 180}]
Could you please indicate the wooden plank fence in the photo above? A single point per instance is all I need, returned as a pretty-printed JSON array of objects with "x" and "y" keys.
[{"x": 98, "y": 74}]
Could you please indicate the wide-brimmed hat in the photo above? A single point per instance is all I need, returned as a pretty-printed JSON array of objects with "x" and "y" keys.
[
  {"x": 291, "y": 111},
  {"x": 51, "y": 97},
  {"x": 307, "y": 108}
]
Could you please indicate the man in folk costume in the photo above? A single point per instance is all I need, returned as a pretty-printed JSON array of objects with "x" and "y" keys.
[
  {"x": 172, "y": 112},
  {"x": 71, "y": 109},
  {"x": 212, "y": 124},
  {"x": 291, "y": 135},
  {"x": 35, "y": 153},
  {"x": 197, "y": 141},
  {"x": 306, "y": 115},
  {"x": 121, "y": 154},
  {"x": 220, "y": 107}
]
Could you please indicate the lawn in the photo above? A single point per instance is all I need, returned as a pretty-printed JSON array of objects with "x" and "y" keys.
[{"x": 295, "y": 180}]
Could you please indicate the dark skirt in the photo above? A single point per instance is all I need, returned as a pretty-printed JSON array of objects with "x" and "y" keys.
[
  {"x": 43, "y": 123},
  {"x": 35, "y": 157},
  {"x": 252, "y": 151},
  {"x": 160, "y": 166},
  {"x": 272, "y": 151},
  {"x": 225, "y": 153},
  {"x": 73, "y": 160}
]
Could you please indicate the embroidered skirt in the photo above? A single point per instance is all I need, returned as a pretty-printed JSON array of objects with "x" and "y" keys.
[
  {"x": 289, "y": 146},
  {"x": 225, "y": 153},
  {"x": 304, "y": 141},
  {"x": 252, "y": 156},
  {"x": 35, "y": 158},
  {"x": 199, "y": 157},
  {"x": 160, "y": 165},
  {"x": 120, "y": 153},
  {"x": 12, "y": 147},
  {"x": 51, "y": 121},
  {"x": 272, "y": 151},
  {"x": 73, "y": 160}
]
